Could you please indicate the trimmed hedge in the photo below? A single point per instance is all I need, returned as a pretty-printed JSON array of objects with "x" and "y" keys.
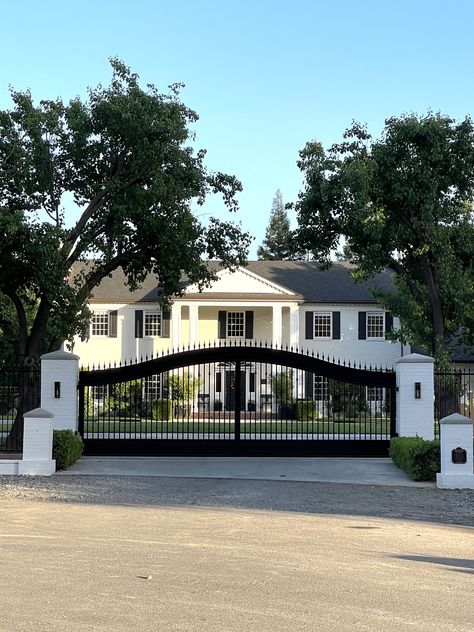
[
  {"x": 67, "y": 448},
  {"x": 163, "y": 409},
  {"x": 306, "y": 410},
  {"x": 419, "y": 458}
]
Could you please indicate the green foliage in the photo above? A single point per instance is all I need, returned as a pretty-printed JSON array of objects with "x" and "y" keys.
[
  {"x": 67, "y": 448},
  {"x": 163, "y": 409},
  {"x": 307, "y": 410},
  {"x": 126, "y": 156},
  {"x": 419, "y": 458},
  {"x": 402, "y": 202},
  {"x": 282, "y": 387},
  {"x": 123, "y": 397},
  {"x": 183, "y": 387},
  {"x": 347, "y": 400},
  {"x": 278, "y": 243}
]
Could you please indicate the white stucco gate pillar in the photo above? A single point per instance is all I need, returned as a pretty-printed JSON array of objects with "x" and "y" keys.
[
  {"x": 38, "y": 444},
  {"x": 415, "y": 396},
  {"x": 456, "y": 453},
  {"x": 59, "y": 375}
]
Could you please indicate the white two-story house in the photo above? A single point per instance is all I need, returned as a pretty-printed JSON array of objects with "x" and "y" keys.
[{"x": 289, "y": 303}]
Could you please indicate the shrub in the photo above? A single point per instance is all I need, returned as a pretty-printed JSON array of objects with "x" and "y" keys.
[
  {"x": 282, "y": 387},
  {"x": 307, "y": 410},
  {"x": 67, "y": 448},
  {"x": 163, "y": 409},
  {"x": 183, "y": 389},
  {"x": 419, "y": 458}
]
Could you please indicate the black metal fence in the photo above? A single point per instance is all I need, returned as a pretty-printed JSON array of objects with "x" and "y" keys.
[
  {"x": 454, "y": 393},
  {"x": 20, "y": 391},
  {"x": 223, "y": 395}
]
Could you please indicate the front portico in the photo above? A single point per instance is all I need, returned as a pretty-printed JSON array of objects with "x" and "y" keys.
[{"x": 275, "y": 322}]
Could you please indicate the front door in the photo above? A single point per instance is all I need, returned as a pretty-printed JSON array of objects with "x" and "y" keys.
[{"x": 230, "y": 390}]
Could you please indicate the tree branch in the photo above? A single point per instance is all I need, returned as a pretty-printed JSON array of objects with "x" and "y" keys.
[
  {"x": 85, "y": 217},
  {"x": 38, "y": 328}
]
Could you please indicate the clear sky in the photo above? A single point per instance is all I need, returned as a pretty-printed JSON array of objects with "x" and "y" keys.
[{"x": 265, "y": 77}]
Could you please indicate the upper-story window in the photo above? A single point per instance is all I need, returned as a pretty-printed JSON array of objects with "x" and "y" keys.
[
  {"x": 375, "y": 324},
  {"x": 100, "y": 324},
  {"x": 152, "y": 324},
  {"x": 322, "y": 325},
  {"x": 235, "y": 325}
]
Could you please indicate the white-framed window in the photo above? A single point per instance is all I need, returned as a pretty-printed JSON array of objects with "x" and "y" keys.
[
  {"x": 152, "y": 387},
  {"x": 375, "y": 394},
  {"x": 322, "y": 325},
  {"x": 100, "y": 392},
  {"x": 235, "y": 325},
  {"x": 375, "y": 325},
  {"x": 100, "y": 324},
  {"x": 153, "y": 324},
  {"x": 321, "y": 390}
]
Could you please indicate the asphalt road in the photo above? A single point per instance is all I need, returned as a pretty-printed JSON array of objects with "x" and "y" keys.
[{"x": 199, "y": 566}]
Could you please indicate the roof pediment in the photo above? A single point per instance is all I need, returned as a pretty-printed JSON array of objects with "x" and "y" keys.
[{"x": 241, "y": 281}]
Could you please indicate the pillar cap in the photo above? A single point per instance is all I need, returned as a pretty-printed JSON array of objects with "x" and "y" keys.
[
  {"x": 455, "y": 418},
  {"x": 39, "y": 413},
  {"x": 59, "y": 355},
  {"x": 413, "y": 358}
]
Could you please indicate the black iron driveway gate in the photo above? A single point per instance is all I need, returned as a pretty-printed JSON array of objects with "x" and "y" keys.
[{"x": 237, "y": 400}]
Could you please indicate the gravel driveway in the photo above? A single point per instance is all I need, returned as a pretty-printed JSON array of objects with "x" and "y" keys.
[{"x": 411, "y": 503}]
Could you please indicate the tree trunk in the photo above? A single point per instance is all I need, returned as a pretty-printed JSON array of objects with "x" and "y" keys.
[
  {"x": 437, "y": 320},
  {"x": 28, "y": 376},
  {"x": 26, "y": 383}
]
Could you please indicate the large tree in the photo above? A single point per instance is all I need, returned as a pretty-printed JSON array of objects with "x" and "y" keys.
[
  {"x": 278, "y": 243},
  {"x": 125, "y": 157},
  {"x": 402, "y": 202}
]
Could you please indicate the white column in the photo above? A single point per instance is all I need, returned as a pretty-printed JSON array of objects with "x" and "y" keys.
[
  {"x": 277, "y": 324},
  {"x": 415, "y": 396},
  {"x": 456, "y": 444},
  {"x": 193, "y": 324},
  {"x": 38, "y": 443},
  {"x": 294, "y": 326},
  {"x": 59, "y": 374},
  {"x": 176, "y": 325}
]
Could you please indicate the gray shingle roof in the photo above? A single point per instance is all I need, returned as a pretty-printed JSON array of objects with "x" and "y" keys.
[
  {"x": 334, "y": 285},
  {"x": 303, "y": 278}
]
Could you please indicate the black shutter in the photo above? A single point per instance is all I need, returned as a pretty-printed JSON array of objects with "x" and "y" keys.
[
  {"x": 165, "y": 323},
  {"x": 218, "y": 382},
  {"x": 222, "y": 316},
  {"x": 113, "y": 324},
  {"x": 309, "y": 326},
  {"x": 309, "y": 385},
  {"x": 362, "y": 325},
  {"x": 388, "y": 322},
  {"x": 164, "y": 385},
  {"x": 336, "y": 325},
  {"x": 138, "y": 323},
  {"x": 248, "y": 325},
  {"x": 252, "y": 383}
]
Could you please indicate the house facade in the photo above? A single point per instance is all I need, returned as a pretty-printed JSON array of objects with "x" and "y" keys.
[{"x": 278, "y": 303}]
